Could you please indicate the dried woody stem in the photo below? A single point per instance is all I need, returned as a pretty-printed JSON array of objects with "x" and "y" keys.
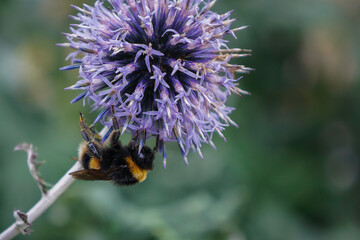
[{"x": 25, "y": 220}]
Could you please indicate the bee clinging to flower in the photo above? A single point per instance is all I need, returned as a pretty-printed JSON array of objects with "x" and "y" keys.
[
  {"x": 163, "y": 64},
  {"x": 110, "y": 161}
]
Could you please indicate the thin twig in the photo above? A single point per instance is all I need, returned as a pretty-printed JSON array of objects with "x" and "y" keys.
[
  {"x": 25, "y": 220},
  {"x": 45, "y": 202}
]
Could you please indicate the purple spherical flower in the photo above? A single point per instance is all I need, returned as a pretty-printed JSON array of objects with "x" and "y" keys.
[{"x": 162, "y": 65}]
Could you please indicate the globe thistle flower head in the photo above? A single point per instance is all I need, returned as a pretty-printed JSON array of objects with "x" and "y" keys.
[{"x": 162, "y": 65}]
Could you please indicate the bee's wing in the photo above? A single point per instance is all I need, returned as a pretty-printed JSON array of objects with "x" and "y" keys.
[
  {"x": 94, "y": 174},
  {"x": 91, "y": 174}
]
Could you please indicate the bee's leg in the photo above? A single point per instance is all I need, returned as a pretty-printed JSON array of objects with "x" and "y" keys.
[
  {"x": 94, "y": 132},
  {"x": 85, "y": 133},
  {"x": 115, "y": 135},
  {"x": 132, "y": 143},
  {"x": 155, "y": 149},
  {"x": 134, "y": 138}
]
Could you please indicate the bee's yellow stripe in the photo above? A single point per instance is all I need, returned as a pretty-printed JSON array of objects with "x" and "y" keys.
[
  {"x": 94, "y": 163},
  {"x": 138, "y": 173}
]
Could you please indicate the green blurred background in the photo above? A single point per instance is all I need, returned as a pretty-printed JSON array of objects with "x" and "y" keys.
[{"x": 290, "y": 171}]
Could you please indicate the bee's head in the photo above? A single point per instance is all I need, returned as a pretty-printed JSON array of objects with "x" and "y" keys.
[{"x": 145, "y": 159}]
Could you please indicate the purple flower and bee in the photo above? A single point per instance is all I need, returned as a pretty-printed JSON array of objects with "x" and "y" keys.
[{"x": 161, "y": 68}]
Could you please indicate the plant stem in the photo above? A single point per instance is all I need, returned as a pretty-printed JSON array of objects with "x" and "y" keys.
[{"x": 45, "y": 202}]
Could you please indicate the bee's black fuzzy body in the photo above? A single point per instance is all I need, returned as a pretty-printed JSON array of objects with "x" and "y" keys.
[{"x": 111, "y": 161}]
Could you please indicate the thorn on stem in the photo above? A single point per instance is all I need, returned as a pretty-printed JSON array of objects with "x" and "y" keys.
[{"x": 22, "y": 222}]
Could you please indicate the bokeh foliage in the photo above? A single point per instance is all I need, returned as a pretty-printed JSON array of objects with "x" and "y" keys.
[{"x": 290, "y": 171}]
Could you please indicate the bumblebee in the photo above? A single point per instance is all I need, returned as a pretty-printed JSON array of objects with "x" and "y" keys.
[{"x": 110, "y": 161}]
